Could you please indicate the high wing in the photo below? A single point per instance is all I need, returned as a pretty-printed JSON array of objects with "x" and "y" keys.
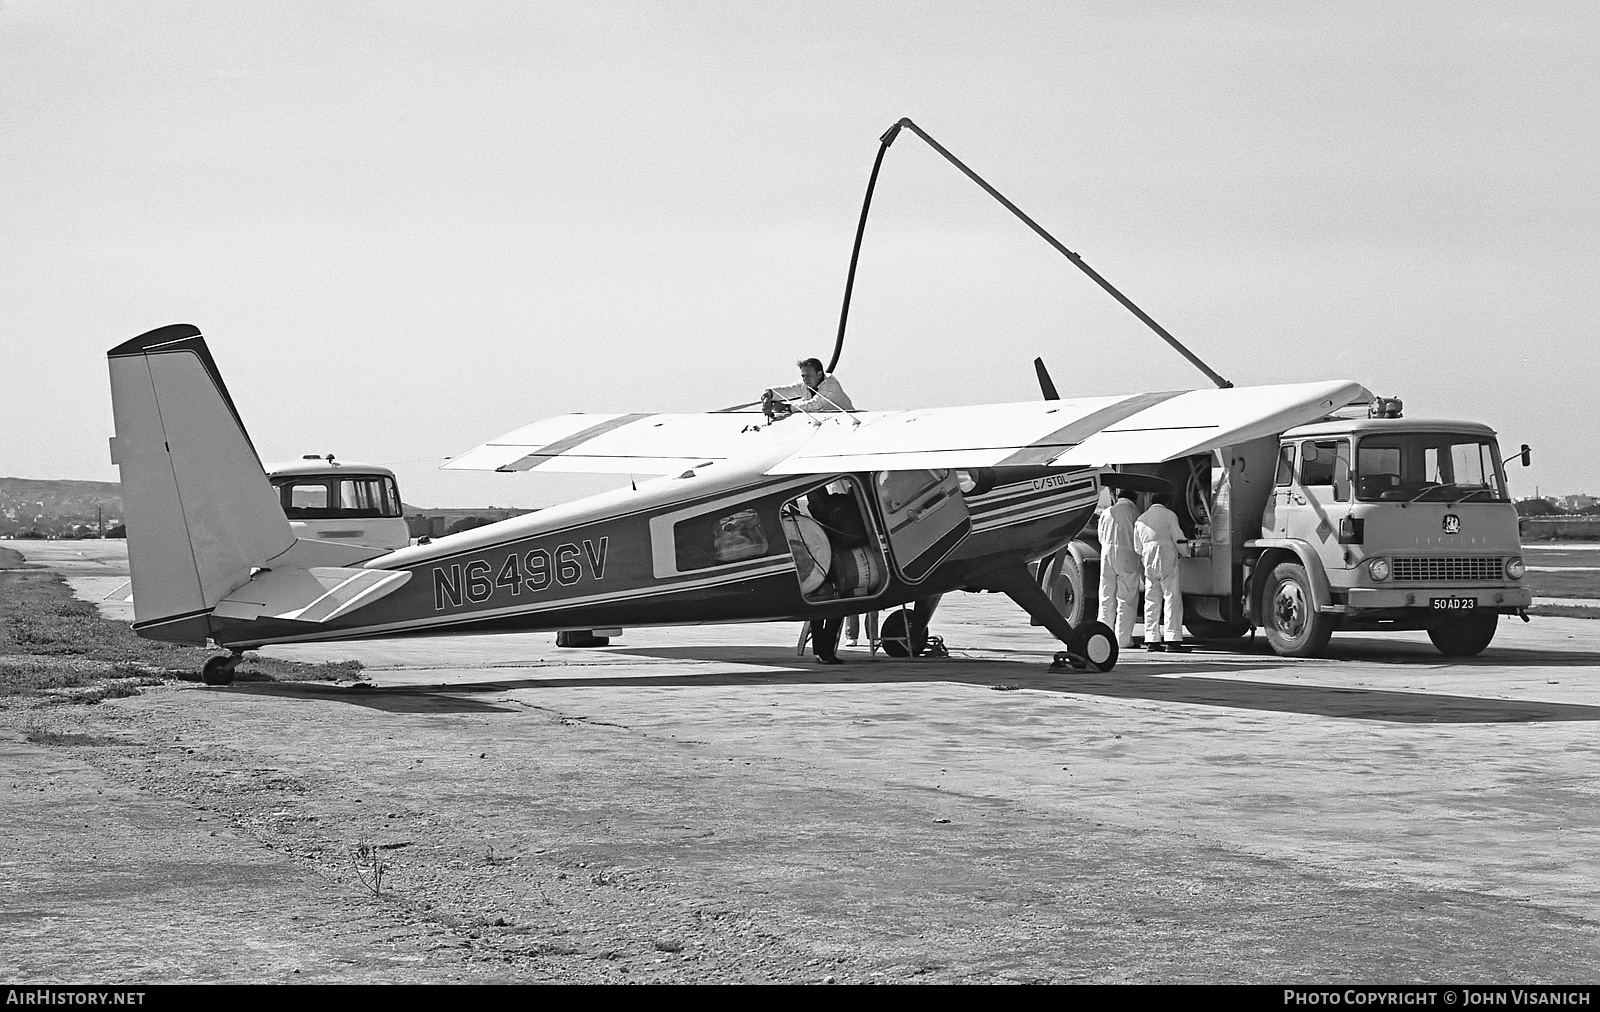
[
  {"x": 1082, "y": 432},
  {"x": 619, "y": 444}
]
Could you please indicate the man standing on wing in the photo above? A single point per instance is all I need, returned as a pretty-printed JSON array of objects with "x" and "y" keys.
[
  {"x": 816, "y": 391},
  {"x": 1120, "y": 568}
]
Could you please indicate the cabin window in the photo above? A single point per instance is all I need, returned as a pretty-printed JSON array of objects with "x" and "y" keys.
[
  {"x": 714, "y": 539},
  {"x": 897, "y": 488}
]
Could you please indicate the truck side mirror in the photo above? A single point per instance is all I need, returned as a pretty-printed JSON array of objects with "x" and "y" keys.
[{"x": 1526, "y": 455}]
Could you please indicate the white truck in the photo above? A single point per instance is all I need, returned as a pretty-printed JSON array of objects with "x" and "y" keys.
[{"x": 1351, "y": 523}]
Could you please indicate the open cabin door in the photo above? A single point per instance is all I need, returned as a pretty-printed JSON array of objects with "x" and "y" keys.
[{"x": 926, "y": 517}]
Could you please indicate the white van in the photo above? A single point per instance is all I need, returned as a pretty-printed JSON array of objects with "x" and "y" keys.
[{"x": 347, "y": 502}]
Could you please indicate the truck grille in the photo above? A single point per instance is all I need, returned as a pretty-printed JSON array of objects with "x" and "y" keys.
[{"x": 1435, "y": 570}]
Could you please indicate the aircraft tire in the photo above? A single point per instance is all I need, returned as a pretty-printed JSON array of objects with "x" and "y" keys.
[
  {"x": 1464, "y": 635},
  {"x": 1293, "y": 625},
  {"x": 219, "y": 670},
  {"x": 903, "y": 633},
  {"x": 1097, "y": 645}
]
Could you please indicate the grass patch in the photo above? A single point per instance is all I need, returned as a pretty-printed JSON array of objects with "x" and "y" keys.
[
  {"x": 1565, "y": 610},
  {"x": 1565, "y": 583},
  {"x": 52, "y": 642}
]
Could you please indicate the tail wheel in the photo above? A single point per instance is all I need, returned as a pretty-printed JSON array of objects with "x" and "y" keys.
[
  {"x": 1294, "y": 626},
  {"x": 1097, "y": 645},
  {"x": 219, "y": 670},
  {"x": 903, "y": 634},
  {"x": 1464, "y": 635}
]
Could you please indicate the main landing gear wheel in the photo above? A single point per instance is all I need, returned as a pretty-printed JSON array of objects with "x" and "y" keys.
[
  {"x": 903, "y": 634},
  {"x": 219, "y": 670},
  {"x": 1093, "y": 645}
]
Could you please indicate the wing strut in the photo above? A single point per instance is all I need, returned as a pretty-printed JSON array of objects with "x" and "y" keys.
[{"x": 1077, "y": 261}]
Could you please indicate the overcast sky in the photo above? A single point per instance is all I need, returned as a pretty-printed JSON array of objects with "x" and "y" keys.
[{"x": 405, "y": 228}]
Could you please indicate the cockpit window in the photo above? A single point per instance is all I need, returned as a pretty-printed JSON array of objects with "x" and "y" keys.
[{"x": 1428, "y": 467}]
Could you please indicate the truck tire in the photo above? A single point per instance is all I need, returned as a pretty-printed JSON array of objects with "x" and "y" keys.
[
  {"x": 1293, "y": 625},
  {"x": 1464, "y": 635},
  {"x": 1209, "y": 629},
  {"x": 1068, "y": 590}
]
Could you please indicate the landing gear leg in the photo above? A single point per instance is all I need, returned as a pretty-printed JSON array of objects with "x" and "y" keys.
[
  {"x": 219, "y": 670},
  {"x": 1091, "y": 645}
]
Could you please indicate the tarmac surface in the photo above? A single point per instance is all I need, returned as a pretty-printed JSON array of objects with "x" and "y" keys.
[{"x": 1384, "y": 813}]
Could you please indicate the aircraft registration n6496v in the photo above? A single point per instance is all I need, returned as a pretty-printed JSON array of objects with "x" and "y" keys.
[{"x": 807, "y": 517}]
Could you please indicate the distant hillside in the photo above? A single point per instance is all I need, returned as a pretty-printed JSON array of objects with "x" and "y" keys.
[{"x": 55, "y": 507}]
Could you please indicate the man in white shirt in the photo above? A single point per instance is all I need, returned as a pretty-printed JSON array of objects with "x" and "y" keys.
[
  {"x": 1158, "y": 535},
  {"x": 815, "y": 392},
  {"x": 1120, "y": 568}
]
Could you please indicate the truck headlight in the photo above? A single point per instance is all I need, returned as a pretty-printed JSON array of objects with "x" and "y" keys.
[
  {"x": 1378, "y": 569},
  {"x": 1515, "y": 568}
]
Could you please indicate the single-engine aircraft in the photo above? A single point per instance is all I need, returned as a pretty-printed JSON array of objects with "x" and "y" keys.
[{"x": 808, "y": 517}]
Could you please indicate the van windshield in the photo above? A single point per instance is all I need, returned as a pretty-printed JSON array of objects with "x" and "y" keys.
[{"x": 1428, "y": 467}]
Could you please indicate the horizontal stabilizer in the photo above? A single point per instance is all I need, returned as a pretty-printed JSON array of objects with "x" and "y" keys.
[{"x": 319, "y": 594}]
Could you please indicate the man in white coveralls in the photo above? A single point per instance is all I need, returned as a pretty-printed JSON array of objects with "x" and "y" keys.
[
  {"x": 1120, "y": 567},
  {"x": 1158, "y": 535}
]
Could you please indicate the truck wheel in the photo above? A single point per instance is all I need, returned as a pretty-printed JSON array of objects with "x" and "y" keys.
[
  {"x": 1067, "y": 589},
  {"x": 1293, "y": 625},
  {"x": 1464, "y": 635},
  {"x": 1207, "y": 629}
]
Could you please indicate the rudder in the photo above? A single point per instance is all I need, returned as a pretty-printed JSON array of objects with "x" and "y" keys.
[{"x": 200, "y": 512}]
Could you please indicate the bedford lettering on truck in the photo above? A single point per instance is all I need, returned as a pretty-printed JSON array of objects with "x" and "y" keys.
[{"x": 1375, "y": 523}]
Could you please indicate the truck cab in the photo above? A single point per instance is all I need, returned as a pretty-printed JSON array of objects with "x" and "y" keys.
[
  {"x": 1387, "y": 523},
  {"x": 1366, "y": 524},
  {"x": 343, "y": 501}
]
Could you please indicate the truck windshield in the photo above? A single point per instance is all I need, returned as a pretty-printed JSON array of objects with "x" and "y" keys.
[{"x": 1428, "y": 467}]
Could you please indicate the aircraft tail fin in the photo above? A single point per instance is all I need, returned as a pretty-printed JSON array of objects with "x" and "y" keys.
[{"x": 200, "y": 512}]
